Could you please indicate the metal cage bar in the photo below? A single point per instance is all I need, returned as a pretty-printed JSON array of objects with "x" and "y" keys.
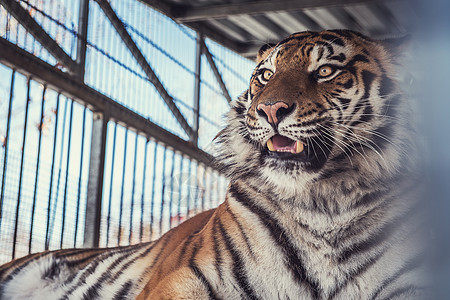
[
  {"x": 24, "y": 144},
  {"x": 41, "y": 123},
  {"x": 47, "y": 227},
  {"x": 5, "y": 144},
  {"x": 83, "y": 126}
]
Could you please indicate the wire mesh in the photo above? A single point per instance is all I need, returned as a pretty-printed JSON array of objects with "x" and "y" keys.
[
  {"x": 212, "y": 102},
  {"x": 142, "y": 201},
  {"x": 44, "y": 169},
  {"x": 57, "y": 17},
  {"x": 46, "y": 137},
  {"x": 111, "y": 69}
]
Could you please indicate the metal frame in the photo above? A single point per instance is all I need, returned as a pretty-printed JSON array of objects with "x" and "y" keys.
[
  {"x": 197, "y": 85},
  {"x": 105, "y": 109},
  {"x": 77, "y": 67},
  {"x": 82, "y": 37},
  {"x": 216, "y": 72},
  {"x": 95, "y": 181},
  {"x": 24, "y": 62},
  {"x": 71, "y": 84},
  {"x": 24, "y": 18},
  {"x": 243, "y": 26},
  {"x": 22, "y": 158},
  {"x": 5, "y": 143},
  {"x": 209, "y": 31},
  {"x": 126, "y": 38}
]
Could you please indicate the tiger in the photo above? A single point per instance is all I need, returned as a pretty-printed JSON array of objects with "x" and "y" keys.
[{"x": 323, "y": 198}]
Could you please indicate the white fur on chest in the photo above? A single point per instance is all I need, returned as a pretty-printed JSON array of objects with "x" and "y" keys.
[{"x": 30, "y": 283}]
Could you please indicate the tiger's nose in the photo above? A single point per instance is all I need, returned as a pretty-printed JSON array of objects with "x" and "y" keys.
[{"x": 274, "y": 112}]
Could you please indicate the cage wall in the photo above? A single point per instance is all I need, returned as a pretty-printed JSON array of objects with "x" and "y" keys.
[{"x": 148, "y": 187}]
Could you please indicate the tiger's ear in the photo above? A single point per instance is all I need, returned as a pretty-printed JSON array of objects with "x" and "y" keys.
[
  {"x": 398, "y": 48},
  {"x": 264, "y": 51}
]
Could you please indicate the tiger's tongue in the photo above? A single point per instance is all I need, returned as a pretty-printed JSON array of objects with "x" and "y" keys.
[{"x": 282, "y": 143}]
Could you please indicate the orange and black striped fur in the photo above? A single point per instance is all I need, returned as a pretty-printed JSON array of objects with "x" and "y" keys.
[{"x": 322, "y": 201}]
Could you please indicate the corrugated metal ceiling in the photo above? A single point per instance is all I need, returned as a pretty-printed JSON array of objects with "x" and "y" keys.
[{"x": 244, "y": 26}]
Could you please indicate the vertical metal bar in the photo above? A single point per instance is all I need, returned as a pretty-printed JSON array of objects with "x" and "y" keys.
[
  {"x": 208, "y": 191},
  {"x": 80, "y": 175},
  {"x": 51, "y": 174},
  {"x": 123, "y": 185},
  {"x": 61, "y": 151},
  {"x": 24, "y": 138},
  {"x": 152, "y": 207},
  {"x": 188, "y": 201},
  {"x": 211, "y": 187},
  {"x": 34, "y": 42},
  {"x": 180, "y": 184},
  {"x": 206, "y": 178},
  {"x": 95, "y": 58},
  {"x": 41, "y": 124},
  {"x": 66, "y": 175},
  {"x": 25, "y": 40},
  {"x": 8, "y": 20},
  {"x": 196, "y": 189},
  {"x": 95, "y": 181},
  {"x": 212, "y": 198},
  {"x": 171, "y": 189},
  {"x": 17, "y": 35},
  {"x": 218, "y": 190},
  {"x": 108, "y": 219},
  {"x": 141, "y": 229},
  {"x": 163, "y": 191},
  {"x": 204, "y": 188},
  {"x": 5, "y": 144},
  {"x": 133, "y": 189},
  {"x": 82, "y": 38},
  {"x": 109, "y": 43},
  {"x": 48, "y": 25},
  {"x": 197, "y": 85}
]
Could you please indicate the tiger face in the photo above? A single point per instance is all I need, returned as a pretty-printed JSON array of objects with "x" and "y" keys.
[{"x": 317, "y": 102}]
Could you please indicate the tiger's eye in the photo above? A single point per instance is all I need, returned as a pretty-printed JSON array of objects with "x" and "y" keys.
[
  {"x": 325, "y": 71},
  {"x": 267, "y": 74}
]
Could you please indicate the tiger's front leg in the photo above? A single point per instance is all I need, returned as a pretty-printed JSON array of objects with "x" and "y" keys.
[
  {"x": 183, "y": 263},
  {"x": 182, "y": 284}
]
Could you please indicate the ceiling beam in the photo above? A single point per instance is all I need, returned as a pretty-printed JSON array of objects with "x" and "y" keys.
[
  {"x": 230, "y": 29},
  {"x": 209, "y": 31},
  {"x": 193, "y": 14},
  {"x": 161, "y": 6}
]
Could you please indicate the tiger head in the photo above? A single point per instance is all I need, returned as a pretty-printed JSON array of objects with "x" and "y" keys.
[{"x": 319, "y": 104}]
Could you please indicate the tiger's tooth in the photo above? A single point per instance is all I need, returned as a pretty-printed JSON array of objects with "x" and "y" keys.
[
  {"x": 270, "y": 145},
  {"x": 299, "y": 147}
]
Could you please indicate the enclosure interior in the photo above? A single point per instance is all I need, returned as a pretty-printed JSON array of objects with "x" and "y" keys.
[{"x": 108, "y": 109}]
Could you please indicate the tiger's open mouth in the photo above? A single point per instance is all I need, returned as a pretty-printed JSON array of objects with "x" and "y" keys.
[
  {"x": 279, "y": 143},
  {"x": 283, "y": 147},
  {"x": 314, "y": 153}
]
